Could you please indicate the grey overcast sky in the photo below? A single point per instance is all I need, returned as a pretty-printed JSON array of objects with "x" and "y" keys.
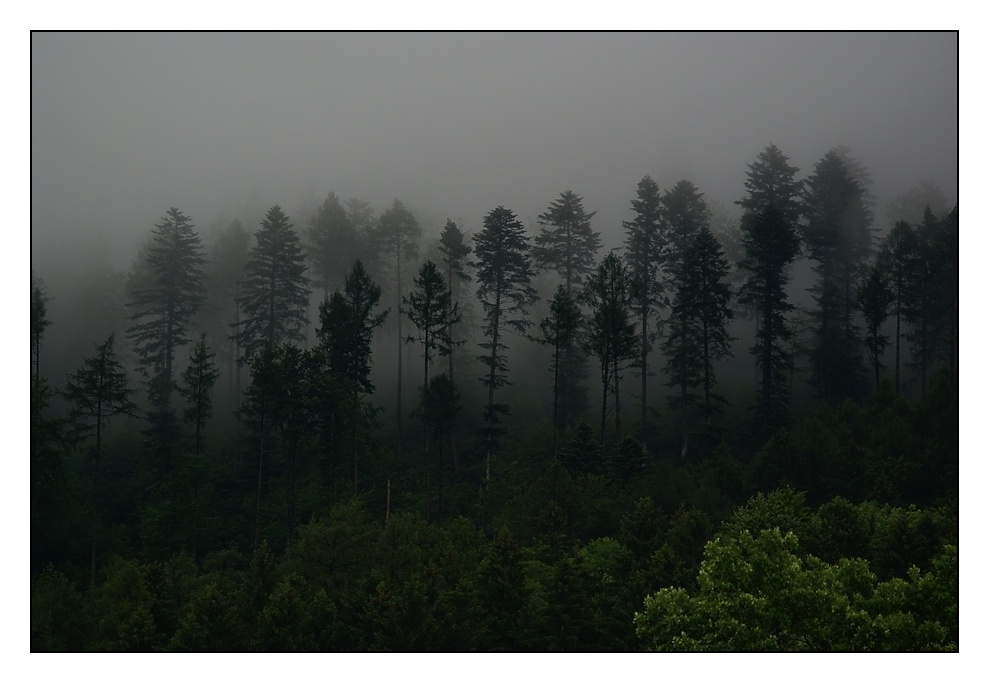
[{"x": 223, "y": 125}]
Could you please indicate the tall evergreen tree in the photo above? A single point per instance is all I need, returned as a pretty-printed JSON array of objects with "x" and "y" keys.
[
  {"x": 504, "y": 275},
  {"x": 698, "y": 326},
  {"x": 228, "y": 259},
  {"x": 875, "y": 296},
  {"x": 333, "y": 244},
  {"x": 645, "y": 254},
  {"x": 429, "y": 307},
  {"x": 198, "y": 381},
  {"x": 39, "y": 322},
  {"x": 771, "y": 243},
  {"x": 566, "y": 243},
  {"x": 838, "y": 239},
  {"x": 276, "y": 292},
  {"x": 347, "y": 323},
  {"x": 611, "y": 336},
  {"x": 894, "y": 259},
  {"x": 685, "y": 212},
  {"x": 396, "y": 236},
  {"x": 168, "y": 296},
  {"x": 454, "y": 252},
  {"x": 96, "y": 392},
  {"x": 561, "y": 331}
]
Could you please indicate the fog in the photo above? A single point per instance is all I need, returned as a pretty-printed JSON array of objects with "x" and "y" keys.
[{"x": 222, "y": 126}]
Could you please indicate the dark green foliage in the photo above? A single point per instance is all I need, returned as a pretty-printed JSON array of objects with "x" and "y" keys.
[
  {"x": 894, "y": 260},
  {"x": 430, "y": 308},
  {"x": 454, "y": 252},
  {"x": 581, "y": 451},
  {"x": 166, "y": 292},
  {"x": 838, "y": 240},
  {"x": 333, "y": 244},
  {"x": 50, "y": 443},
  {"x": 504, "y": 274},
  {"x": 275, "y": 296},
  {"x": 566, "y": 243}
]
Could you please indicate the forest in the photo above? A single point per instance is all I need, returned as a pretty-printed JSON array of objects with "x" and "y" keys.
[{"x": 351, "y": 431}]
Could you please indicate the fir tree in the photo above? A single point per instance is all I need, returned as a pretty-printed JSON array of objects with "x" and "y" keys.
[
  {"x": 333, "y": 244},
  {"x": 561, "y": 331},
  {"x": 504, "y": 274},
  {"x": 276, "y": 292},
  {"x": 566, "y": 243}
]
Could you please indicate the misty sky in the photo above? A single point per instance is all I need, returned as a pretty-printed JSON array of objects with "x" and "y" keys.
[{"x": 224, "y": 125}]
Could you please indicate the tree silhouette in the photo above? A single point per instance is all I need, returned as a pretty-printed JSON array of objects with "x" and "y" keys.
[
  {"x": 645, "y": 255},
  {"x": 166, "y": 292},
  {"x": 276, "y": 292},
  {"x": 566, "y": 243},
  {"x": 838, "y": 239},
  {"x": 333, "y": 244},
  {"x": 454, "y": 252},
  {"x": 96, "y": 392},
  {"x": 875, "y": 296},
  {"x": 396, "y": 238},
  {"x": 39, "y": 321},
  {"x": 895, "y": 258},
  {"x": 611, "y": 336},
  {"x": 504, "y": 274},
  {"x": 560, "y": 330}
]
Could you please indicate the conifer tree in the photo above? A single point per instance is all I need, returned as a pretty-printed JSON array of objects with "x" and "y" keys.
[
  {"x": 566, "y": 243},
  {"x": 396, "y": 237},
  {"x": 347, "y": 323},
  {"x": 838, "y": 239},
  {"x": 198, "y": 381},
  {"x": 276, "y": 292},
  {"x": 454, "y": 252},
  {"x": 166, "y": 292},
  {"x": 333, "y": 244},
  {"x": 645, "y": 255},
  {"x": 611, "y": 336},
  {"x": 771, "y": 243},
  {"x": 504, "y": 274},
  {"x": 561, "y": 331},
  {"x": 96, "y": 392},
  {"x": 226, "y": 275},
  {"x": 874, "y": 298},
  {"x": 894, "y": 259},
  {"x": 39, "y": 322}
]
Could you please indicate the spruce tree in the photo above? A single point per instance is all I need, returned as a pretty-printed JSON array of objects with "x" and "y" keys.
[
  {"x": 611, "y": 336},
  {"x": 96, "y": 392},
  {"x": 894, "y": 259},
  {"x": 875, "y": 296},
  {"x": 333, "y": 244},
  {"x": 454, "y": 252},
  {"x": 228, "y": 258},
  {"x": 566, "y": 243},
  {"x": 396, "y": 238},
  {"x": 166, "y": 292},
  {"x": 39, "y": 322},
  {"x": 198, "y": 381},
  {"x": 504, "y": 275},
  {"x": 645, "y": 255},
  {"x": 771, "y": 243},
  {"x": 276, "y": 292},
  {"x": 561, "y": 331},
  {"x": 838, "y": 239}
]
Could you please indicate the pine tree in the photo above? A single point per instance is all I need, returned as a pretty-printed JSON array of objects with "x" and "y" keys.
[
  {"x": 838, "y": 239},
  {"x": 698, "y": 327},
  {"x": 333, "y": 244},
  {"x": 429, "y": 307},
  {"x": 875, "y": 296},
  {"x": 166, "y": 294},
  {"x": 347, "y": 323},
  {"x": 771, "y": 243},
  {"x": 645, "y": 255},
  {"x": 39, "y": 322},
  {"x": 611, "y": 336},
  {"x": 560, "y": 330},
  {"x": 894, "y": 259},
  {"x": 566, "y": 243},
  {"x": 96, "y": 392},
  {"x": 198, "y": 381},
  {"x": 276, "y": 292},
  {"x": 504, "y": 274},
  {"x": 454, "y": 252},
  {"x": 396, "y": 238},
  {"x": 226, "y": 274}
]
